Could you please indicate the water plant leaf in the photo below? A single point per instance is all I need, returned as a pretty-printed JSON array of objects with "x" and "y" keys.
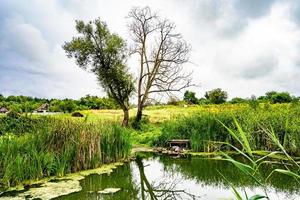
[
  {"x": 257, "y": 197},
  {"x": 286, "y": 172},
  {"x": 272, "y": 135},
  {"x": 236, "y": 193},
  {"x": 247, "y": 169},
  {"x": 244, "y": 138},
  {"x": 240, "y": 136},
  {"x": 239, "y": 151}
]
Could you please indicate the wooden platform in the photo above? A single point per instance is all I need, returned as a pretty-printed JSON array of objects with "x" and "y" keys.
[{"x": 180, "y": 143}]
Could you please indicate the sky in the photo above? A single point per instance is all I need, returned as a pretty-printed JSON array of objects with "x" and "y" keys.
[{"x": 244, "y": 47}]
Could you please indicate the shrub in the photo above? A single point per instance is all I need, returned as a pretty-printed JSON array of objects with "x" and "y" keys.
[
  {"x": 216, "y": 96},
  {"x": 77, "y": 114}
]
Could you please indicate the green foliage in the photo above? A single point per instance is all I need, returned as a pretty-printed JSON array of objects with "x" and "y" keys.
[
  {"x": 94, "y": 102},
  {"x": 59, "y": 147},
  {"x": 139, "y": 125},
  {"x": 278, "y": 97},
  {"x": 253, "y": 103},
  {"x": 190, "y": 97},
  {"x": 237, "y": 100},
  {"x": 253, "y": 164},
  {"x": 105, "y": 54},
  {"x": 216, "y": 96},
  {"x": 282, "y": 97},
  {"x": 173, "y": 100},
  {"x": 203, "y": 128},
  {"x": 67, "y": 106},
  {"x": 23, "y": 104},
  {"x": 17, "y": 124},
  {"x": 270, "y": 94},
  {"x": 203, "y": 101}
]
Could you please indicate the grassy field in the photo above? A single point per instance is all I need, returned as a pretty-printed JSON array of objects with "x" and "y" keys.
[
  {"x": 60, "y": 144},
  {"x": 155, "y": 114}
]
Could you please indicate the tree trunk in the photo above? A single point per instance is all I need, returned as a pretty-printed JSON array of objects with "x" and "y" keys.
[
  {"x": 126, "y": 117},
  {"x": 139, "y": 113}
]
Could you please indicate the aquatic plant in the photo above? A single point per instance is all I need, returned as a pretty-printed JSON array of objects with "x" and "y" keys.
[
  {"x": 60, "y": 147},
  {"x": 203, "y": 128},
  {"x": 288, "y": 165}
]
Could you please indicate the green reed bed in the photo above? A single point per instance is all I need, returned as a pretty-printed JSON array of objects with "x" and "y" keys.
[
  {"x": 59, "y": 147},
  {"x": 287, "y": 165},
  {"x": 204, "y": 128}
]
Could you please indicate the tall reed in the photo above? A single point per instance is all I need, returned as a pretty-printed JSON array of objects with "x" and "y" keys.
[
  {"x": 203, "y": 128},
  {"x": 288, "y": 165},
  {"x": 60, "y": 147}
]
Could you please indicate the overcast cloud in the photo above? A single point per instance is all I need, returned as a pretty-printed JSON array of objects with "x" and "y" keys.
[{"x": 245, "y": 47}]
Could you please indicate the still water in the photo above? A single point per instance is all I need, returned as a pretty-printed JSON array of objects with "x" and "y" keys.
[{"x": 162, "y": 177}]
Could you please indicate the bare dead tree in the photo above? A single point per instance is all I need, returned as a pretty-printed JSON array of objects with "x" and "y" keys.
[
  {"x": 163, "y": 190},
  {"x": 162, "y": 52}
]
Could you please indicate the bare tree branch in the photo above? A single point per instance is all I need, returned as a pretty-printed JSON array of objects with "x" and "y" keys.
[{"x": 162, "y": 52}]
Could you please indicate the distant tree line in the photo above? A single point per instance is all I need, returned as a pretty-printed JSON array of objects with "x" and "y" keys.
[
  {"x": 23, "y": 104},
  {"x": 218, "y": 96}
]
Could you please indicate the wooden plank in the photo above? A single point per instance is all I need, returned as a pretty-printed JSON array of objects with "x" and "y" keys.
[{"x": 183, "y": 141}]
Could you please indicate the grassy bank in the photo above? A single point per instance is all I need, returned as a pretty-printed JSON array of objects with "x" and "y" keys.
[
  {"x": 57, "y": 147},
  {"x": 204, "y": 128},
  {"x": 33, "y": 147}
]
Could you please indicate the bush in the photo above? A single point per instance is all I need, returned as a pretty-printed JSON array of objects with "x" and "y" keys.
[
  {"x": 77, "y": 114},
  {"x": 190, "y": 97},
  {"x": 282, "y": 97},
  {"x": 216, "y": 96},
  {"x": 17, "y": 124}
]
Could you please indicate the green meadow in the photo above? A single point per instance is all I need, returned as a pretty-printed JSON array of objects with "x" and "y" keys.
[{"x": 38, "y": 146}]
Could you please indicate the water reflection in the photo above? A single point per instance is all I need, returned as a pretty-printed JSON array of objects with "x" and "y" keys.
[
  {"x": 162, "y": 189},
  {"x": 162, "y": 177}
]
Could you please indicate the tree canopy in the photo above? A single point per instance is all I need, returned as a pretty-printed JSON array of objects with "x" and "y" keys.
[
  {"x": 103, "y": 53},
  {"x": 216, "y": 96},
  {"x": 190, "y": 97}
]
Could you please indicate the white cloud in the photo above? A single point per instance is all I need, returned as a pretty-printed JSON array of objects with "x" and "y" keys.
[{"x": 245, "y": 48}]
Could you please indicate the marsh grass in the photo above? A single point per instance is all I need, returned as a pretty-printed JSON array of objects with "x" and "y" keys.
[
  {"x": 288, "y": 165},
  {"x": 203, "y": 129},
  {"x": 60, "y": 147}
]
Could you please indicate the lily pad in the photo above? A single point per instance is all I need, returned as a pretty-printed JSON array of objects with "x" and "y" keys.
[{"x": 54, "y": 187}]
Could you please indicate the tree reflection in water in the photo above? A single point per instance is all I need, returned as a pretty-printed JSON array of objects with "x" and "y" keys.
[
  {"x": 164, "y": 189},
  {"x": 153, "y": 177}
]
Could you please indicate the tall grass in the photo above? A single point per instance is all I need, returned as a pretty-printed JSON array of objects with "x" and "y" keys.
[
  {"x": 289, "y": 166},
  {"x": 59, "y": 147},
  {"x": 204, "y": 128}
]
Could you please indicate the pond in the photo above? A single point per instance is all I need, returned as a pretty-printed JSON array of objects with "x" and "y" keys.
[{"x": 163, "y": 177}]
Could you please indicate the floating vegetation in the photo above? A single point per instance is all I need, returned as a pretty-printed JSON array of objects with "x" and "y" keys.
[{"x": 55, "y": 187}]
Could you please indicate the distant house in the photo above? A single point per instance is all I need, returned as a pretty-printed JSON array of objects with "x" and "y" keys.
[
  {"x": 3, "y": 110},
  {"x": 43, "y": 108}
]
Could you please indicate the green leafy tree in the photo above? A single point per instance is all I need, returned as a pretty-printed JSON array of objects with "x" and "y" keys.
[
  {"x": 281, "y": 97},
  {"x": 270, "y": 94},
  {"x": 203, "y": 101},
  {"x": 216, "y": 96},
  {"x": 190, "y": 97},
  {"x": 104, "y": 54},
  {"x": 237, "y": 100},
  {"x": 67, "y": 105}
]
